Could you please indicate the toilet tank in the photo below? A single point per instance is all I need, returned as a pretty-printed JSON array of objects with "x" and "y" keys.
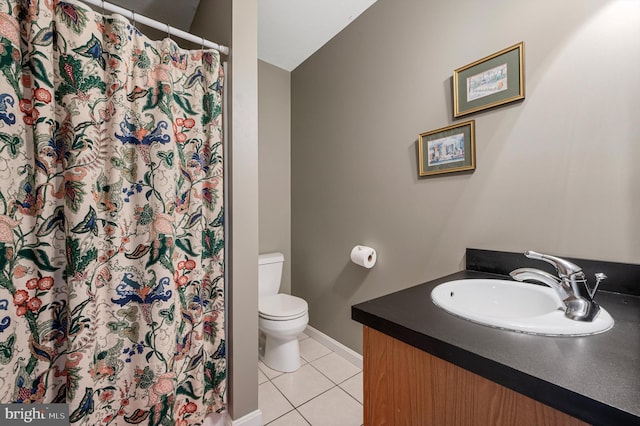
[{"x": 269, "y": 273}]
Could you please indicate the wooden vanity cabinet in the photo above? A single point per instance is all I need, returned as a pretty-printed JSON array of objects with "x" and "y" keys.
[{"x": 404, "y": 385}]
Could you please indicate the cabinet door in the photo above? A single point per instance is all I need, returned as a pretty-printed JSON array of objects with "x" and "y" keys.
[{"x": 406, "y": 386}]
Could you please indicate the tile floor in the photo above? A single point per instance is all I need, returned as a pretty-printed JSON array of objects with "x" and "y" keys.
[{"x": 326, "y": 390}]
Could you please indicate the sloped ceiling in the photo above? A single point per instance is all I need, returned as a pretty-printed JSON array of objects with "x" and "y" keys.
[
  {"x": 177, "y": 13},
  {"x": 289, "y": 31}
]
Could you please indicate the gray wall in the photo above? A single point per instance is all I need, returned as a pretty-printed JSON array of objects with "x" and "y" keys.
[
  {"x": 557, "y": 173},
  {"x": 274, "y": 135},
  {"x": 234, "y": 23}
]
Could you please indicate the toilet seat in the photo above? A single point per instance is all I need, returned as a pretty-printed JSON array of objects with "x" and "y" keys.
[{"x": 282, "y": 307}]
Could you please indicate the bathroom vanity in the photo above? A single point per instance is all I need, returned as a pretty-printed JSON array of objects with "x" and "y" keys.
[{"x": 424, "y": 366}]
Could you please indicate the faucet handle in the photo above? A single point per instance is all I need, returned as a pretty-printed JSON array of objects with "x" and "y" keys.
[
  {"x": 563, "y": 266},
  {"x": 599, "y": 278}
]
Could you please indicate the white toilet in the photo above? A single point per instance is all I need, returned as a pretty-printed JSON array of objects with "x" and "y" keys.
[{"x": 282, "y": 317}]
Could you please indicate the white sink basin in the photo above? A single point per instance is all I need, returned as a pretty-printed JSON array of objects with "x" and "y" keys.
[{"x": 515, "y": 306}]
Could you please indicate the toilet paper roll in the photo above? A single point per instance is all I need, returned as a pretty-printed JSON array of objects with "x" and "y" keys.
[{"x": 363, "y": 256}]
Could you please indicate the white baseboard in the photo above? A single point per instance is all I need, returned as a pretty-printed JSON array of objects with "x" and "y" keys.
[
  {"x": 347, "y": 353},
  {"x": 254, "y": 418}
]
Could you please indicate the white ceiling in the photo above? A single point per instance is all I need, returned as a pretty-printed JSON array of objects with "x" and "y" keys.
[{"x": 289, "y": 31}]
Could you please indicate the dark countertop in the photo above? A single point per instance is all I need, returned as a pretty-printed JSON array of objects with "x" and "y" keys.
[{"x": 593, "y": 378}]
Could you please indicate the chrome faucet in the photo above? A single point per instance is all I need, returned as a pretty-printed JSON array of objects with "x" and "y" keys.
[{"x": 570, "y": 284}]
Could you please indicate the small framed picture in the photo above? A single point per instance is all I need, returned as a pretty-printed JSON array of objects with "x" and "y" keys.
[
  {"x": 447, "y": 150},
  {"x": 495, "y": 80}
]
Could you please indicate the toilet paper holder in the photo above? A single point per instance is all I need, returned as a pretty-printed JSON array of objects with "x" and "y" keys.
[{"x": 364, "y": 256}]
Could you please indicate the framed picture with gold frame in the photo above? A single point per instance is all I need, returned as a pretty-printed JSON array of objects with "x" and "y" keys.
[
  {"x": 447, "y": 150},
  {"x": 489, "y": 82}
]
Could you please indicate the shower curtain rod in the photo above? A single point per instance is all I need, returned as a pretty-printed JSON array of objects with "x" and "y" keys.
[{"x": 134, "y": 17}]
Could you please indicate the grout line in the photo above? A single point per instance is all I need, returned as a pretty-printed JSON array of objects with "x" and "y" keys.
[
  {"x": 282, "y": 393},
  {"x": 321, "y": 373},
  {"x": 349, "y": 393},
  {"x": 288, "y": 412},
  {"x": 321, "y": 393},
  {"x": 349, "y": 378},
  {"x": 329, "y": 378},
  {"x": 304, "y": 418},
  {"x": 308, "y": 400}
]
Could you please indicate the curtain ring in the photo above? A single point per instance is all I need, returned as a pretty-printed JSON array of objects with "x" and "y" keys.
[
  {"x": 168, "y": 31},
  {"x": 202, "y": 48},
  {"x": 133, "y": 18},
  {"x": 103, "y": 9}
]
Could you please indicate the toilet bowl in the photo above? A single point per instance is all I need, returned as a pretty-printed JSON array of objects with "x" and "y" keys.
[{"x": 281, "y": 317}]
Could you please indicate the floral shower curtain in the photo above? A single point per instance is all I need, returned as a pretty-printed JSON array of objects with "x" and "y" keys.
[{"x": 111, "y": 219}]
